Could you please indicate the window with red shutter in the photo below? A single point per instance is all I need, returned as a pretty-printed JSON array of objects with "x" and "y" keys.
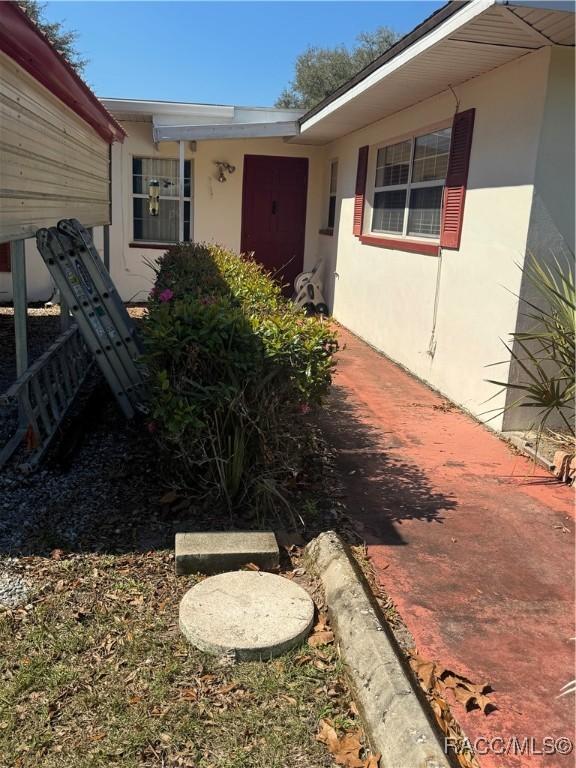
[
  {"x": 5, "y": 263},
  {"x": 456, "y": 179},
  {"x": 360, "y": 192}
]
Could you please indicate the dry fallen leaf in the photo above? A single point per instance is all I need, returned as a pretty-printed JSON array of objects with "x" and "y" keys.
[
  {"x": 346, "y": 750},
  {"x": 324, "y": 637},
  {"x": 424, "y": 670}
]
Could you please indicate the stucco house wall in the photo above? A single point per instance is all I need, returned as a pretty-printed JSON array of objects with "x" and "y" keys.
[
  {"x": 443, "y": 317},
  {"x": 217, "y": 207},
  {"x": 552, "y": 226}
]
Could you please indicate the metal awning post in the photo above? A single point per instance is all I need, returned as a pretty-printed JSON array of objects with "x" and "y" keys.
[
  {"x": 180, "y": 191},
  {"x": 106, "y": 246},
  {"x": 20, "y": 302}
]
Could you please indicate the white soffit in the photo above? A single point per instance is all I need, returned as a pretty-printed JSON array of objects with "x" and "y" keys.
[{"x": 481, "y": 36}]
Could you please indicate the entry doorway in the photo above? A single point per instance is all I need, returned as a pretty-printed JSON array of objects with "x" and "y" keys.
[{"x": 274, "y": 214}]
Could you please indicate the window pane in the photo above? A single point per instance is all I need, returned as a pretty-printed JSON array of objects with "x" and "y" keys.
[
  {"x": 186, "y": 221},
  {"x": 144, "y": 169},
  {"x": 333, "y": 177},
  {"x": 187, "y": 176},
  {"x": 424, "y": 213},
  {"x": 157, "y": 229},
  {"x": 392, "y": 164},
  {"x": 431, "y": 156},
  {"x": 331, "y": 212},
  {"x": 388, "y": 214}
]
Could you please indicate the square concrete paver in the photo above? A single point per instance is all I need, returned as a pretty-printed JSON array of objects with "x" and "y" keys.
[{"x": 216, "y": 552}]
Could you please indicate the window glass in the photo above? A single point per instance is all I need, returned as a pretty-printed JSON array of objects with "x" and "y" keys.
[
  {"x": 393, "y": 164},
  {"x": 388, "y": 213},
  {"x": 333, "y": 176},
  {"x": 161, "y": 228},
  {"x": 431, "y": 156},
  {"x": 408, "y": 185},
  {"x": 164, "y": 227},
  {"x": 332, "y": 193},
  {"x": 424, "y": 213},
  {"x": 144, "y": 169}
]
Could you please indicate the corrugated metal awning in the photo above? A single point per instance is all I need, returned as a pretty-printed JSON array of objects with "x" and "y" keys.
[{"x": 224, "y": 131}]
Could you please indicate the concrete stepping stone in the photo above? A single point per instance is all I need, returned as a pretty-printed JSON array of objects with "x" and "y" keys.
[
  {"x": 226, "y": 551},
  {"x": 248, "y": 614}
]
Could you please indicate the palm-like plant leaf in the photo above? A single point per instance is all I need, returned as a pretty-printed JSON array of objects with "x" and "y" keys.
[{"x": 545, "y": 352}]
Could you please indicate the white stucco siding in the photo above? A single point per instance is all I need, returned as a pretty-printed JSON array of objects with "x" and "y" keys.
[
  {"x": 554, "y": 184},
  {"x": 551, "y": 231},
  {"x": 217, "y": 208},
  {"x": 388, "y": 297}
]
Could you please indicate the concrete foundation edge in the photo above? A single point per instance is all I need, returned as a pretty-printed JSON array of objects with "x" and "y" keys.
[{"x": 395, "y": 719}]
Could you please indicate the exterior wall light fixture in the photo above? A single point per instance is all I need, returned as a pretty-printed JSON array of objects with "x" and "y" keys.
[{"x": 222, "y": 169}]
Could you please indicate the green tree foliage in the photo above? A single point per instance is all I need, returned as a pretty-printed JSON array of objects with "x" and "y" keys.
[
  {"x": 64, "y": 41},
  {"x": 318, "y": 72}
]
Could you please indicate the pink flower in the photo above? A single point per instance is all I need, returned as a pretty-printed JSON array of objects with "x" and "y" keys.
[
  {"x": 166, "y": 295},
  {"x": 305, "y": 408}
]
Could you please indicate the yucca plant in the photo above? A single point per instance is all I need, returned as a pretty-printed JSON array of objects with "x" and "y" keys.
[{"x": 545, "y": 352}]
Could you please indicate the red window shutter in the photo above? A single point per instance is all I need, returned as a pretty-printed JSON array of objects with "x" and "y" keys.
[
  {"x": 361, "y": 173},
  {"x": 456, "y": 179},
  {"x": 5, "y": 264}
]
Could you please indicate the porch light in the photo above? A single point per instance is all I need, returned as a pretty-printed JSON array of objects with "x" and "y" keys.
[
  {"x": 153, "y": 197},
  {"x": 223, "y": 169}
]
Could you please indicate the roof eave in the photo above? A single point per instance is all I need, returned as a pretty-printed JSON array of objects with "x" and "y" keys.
[
  {"x": 23, "y": 42},
  {"x": 432, "y": 22}
]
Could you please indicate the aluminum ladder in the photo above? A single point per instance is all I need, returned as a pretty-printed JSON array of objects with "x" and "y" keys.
[{"x": 87, "y": 288}]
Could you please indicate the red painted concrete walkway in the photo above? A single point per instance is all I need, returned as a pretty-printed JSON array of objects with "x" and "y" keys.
[{"x": 473, "y": 543}]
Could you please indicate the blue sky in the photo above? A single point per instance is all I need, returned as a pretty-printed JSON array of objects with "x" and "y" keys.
[{"x": 215, "y": 52}]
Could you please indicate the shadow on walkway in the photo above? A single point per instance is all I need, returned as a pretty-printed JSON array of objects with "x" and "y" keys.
[{"x": 382, "y": 491}]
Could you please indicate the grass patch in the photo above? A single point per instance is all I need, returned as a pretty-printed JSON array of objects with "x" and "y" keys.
[{"x": 95, "y": 672}]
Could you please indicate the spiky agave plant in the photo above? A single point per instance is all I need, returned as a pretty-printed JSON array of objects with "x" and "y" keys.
[{"x": 545, "y": 352}]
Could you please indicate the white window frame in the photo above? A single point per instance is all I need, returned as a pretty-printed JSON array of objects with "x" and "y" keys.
[
  {"x": 372, "y": 189},
  {"x": 144, "y": 196}
]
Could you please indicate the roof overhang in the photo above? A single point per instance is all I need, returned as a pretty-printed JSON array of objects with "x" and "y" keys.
[
  {"x": 462, "y": 40},
  {"x": 179, "y": 121},
  {"x": 29, "y": 48},
  {"x": 225, "y": 131}
]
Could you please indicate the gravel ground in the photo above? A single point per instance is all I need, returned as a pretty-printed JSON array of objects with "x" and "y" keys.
[{"x": 96, "y": 491}]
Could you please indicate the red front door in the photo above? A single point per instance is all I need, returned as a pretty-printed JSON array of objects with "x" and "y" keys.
[{"x": 274, "y": 213}]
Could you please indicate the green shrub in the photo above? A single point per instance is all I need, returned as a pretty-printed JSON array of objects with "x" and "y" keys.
[{"x": 233, "y": 366}]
